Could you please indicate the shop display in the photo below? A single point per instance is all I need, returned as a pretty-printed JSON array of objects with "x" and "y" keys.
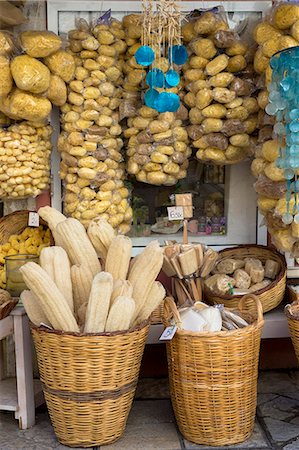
[
  {"x": 220, "y": 85},
  {"x": 90, "y": 144},
  {"x": 157, "y": 143},
  {"x": 56, "y": 285}
]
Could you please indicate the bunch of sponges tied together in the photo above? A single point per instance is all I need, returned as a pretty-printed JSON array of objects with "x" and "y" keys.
[
  {"x": 280, "y": 30},
  {"x": 33, "y": 72}
]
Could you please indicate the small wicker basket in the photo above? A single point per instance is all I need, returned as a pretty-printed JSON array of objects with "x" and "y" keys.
[
  {"x": 213, "y": 378},
  {"x": 7, "y": 307},
  {"x": 272, "y": 295},
  {"x": 89, "y": 382},
  {"x": 14, "y": 223}
]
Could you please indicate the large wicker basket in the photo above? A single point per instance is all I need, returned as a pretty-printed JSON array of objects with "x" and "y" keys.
[
  {"x": 293, "y": 324},
  {"x": 272, "y": 295},
  {"x": 89, "y": 382},
  {"x": 213, "y": 379},
  {"x": 14, "y": 223}
]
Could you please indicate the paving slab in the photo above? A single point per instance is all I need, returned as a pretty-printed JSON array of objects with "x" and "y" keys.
[
  {"x": 293, "y": 446},
  {"x": 281, "y": 407},
  {"x": 150, "y": 436},
  {"x": 270, "y": 382},
  {"x": 263, "y": 398},
  {"x": 39, "y": 437},
  {"x": 257, "y": 441},
  {"x": 151, "y": 411},
  {"x": 281, "y": 431}
]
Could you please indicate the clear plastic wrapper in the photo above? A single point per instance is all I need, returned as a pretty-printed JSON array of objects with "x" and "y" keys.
[
  {"x": 28, "y": 86},
  {"x": 92, "y": 166},
  {"x": 11, "y": 15},
  {"x": 157, "y": 144},
  {"x": 157, "y": 147},
  {"x": 220, "y": 88},
  {"x": 267, "y": 188},
  {"x": 24, "y": 160}
]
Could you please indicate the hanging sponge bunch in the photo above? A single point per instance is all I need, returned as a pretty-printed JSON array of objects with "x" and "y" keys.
[
  {"x": 92, "y": 166},
  {"x": 279, "y": 31},
  {"x": 157, "y": 143},
  {"x": 35, "y": 79},
  {"x": 218, "y": 78}
]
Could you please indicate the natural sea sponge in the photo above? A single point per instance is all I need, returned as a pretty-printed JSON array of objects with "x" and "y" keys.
[
  {"x": 6, "y": 81},
  {"x": 285, "y": 15},
  {"x": 40, "y": 44},
  {"x": 30, "y": 74},
  {"x": 29, "y": 106},
  {"x": 6, "y": 43},
  {"x": 57, "y": 92},
  {"x": 62, "y": 64}
]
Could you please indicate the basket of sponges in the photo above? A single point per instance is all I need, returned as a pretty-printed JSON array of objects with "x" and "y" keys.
[{"x": 247, "y": 269}]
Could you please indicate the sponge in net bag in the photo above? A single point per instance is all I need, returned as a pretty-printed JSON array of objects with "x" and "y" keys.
[
  {"x": 30, "y": 74},
  {"x": 29, "y": 106},
  {"x": 57, "y": 92},
  {"x": 6, "y": 81},
  {"x": 62, "y": 64},
  {"x": 40, "y": 44}
]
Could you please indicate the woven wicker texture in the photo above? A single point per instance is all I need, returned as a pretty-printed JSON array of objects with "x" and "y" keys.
[
  {"x": 156, "y": 317},
  {"x": 294, "y": 332},
  {"x": 7, "y": 307},
  {"x": 89, "y": 382},
  {"x": 272, "y": 295},
  {"x": 14, "y": 223},
  {"x": 213, "y": 380}
]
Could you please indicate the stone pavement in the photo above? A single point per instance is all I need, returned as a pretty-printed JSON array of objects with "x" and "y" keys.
[{"x": 151, "y": 423}]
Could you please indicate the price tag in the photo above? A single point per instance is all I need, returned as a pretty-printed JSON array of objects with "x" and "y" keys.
[
  {"x": 175, "y": 213},
  {"x": 168, "y": 333},
  {"x": 33, "y": 220}
]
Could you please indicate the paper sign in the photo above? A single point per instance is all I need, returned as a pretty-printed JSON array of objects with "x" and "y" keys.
[
  {"x": 168, "y": 333},
  {"x": 33, "y": 220},
  {"x": 175, "y": 213}
]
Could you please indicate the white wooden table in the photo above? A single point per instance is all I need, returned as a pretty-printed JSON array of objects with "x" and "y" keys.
[{"x": 21, "y": 394}]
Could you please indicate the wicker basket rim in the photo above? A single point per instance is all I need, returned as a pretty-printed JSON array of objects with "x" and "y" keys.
[
  {"x": 43, "y": 329},
  {"x": 257, "y": 323},
  {"x": 260, "y": 291},
  {"x": 8, "y": 302}
]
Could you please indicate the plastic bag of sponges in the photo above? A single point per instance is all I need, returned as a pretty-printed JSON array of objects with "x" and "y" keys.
[{"x": 219, "y": 80}]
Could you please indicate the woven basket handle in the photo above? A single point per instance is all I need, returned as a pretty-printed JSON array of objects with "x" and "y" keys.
[
  {"x": 170, "y": 311},
  {"x": 258, "y": 304}
]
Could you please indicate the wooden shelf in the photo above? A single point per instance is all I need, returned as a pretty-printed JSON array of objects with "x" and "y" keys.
[
  {"x": 276, "y": 326},
  {"x": 9, "y": 397}
]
